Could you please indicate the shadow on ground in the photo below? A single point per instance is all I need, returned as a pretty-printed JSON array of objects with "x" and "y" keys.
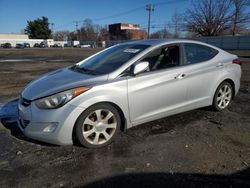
[
  {"x": 160, "y": 180},
  {"x": 9, "y": 118}
]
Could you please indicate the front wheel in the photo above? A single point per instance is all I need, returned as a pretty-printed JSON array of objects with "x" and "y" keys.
[
  {"x": 223, "y": 96},
  {"x": 98, "y": 126}
]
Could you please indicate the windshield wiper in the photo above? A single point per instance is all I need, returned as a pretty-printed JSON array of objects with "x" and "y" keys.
[{"x": 75, "y": 67}]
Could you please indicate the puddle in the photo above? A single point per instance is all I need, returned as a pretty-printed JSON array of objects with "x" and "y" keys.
[
  {"x": 9, "y": 110},
  {"x": 14, "y": 60},
  {"x": 35, "y": 59},
  {"x": 56, "y": 60}
]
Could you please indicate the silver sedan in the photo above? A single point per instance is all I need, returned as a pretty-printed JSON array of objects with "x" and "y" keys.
[{"x": 124, "y": 86}]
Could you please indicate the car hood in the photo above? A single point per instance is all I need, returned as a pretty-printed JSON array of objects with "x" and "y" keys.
[{"x": 59, "y": 80}]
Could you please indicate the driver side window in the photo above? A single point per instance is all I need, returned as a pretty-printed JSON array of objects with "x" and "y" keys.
[{"x": 162, "y": 58}]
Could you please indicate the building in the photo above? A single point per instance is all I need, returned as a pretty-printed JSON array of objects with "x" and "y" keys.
[
  {"x": 14, "y": 36},
  {"x": 125, "y": 31},
  {"x": 15, "y": 39}
]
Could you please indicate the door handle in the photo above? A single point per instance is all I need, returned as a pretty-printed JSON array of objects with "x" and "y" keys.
[{"x": 180, "y": 76}]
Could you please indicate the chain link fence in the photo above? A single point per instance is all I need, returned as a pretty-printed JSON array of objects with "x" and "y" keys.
[
  {"x": 224, "y": 42},
  {"x": 228, "y": 42}
]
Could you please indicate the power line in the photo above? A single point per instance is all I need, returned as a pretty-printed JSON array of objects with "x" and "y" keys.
[
  {"x": 64, "y": 25},
  {"x": 135, "y": 9},
  {"x": 168, "y": 2},
  {"x": 122, "y": 13}
]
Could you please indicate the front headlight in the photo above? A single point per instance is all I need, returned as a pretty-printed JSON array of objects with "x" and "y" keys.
[{"x": 59, "y": 99}]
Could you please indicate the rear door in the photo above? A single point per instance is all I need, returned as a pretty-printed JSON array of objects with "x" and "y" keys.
[{"x": 202, "y": 68}]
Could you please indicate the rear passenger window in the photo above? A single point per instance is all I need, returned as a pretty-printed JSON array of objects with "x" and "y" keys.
[{"x": 196, "y": 53}]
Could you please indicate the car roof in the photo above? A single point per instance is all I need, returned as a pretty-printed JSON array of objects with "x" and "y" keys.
[
  {"x": 156, "y": 42},
  {"x": 160, "y": 41}
]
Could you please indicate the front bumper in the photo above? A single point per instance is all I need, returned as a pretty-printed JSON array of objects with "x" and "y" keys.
[{"x": 53, "y": 126}]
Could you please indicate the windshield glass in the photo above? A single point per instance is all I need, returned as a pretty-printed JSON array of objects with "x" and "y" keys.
[{"x": 111, "y": 59}]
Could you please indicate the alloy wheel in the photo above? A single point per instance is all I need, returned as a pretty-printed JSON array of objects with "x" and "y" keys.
[
  {"x": 224, "y": 96},
  {"x": 99, "y": 126}
]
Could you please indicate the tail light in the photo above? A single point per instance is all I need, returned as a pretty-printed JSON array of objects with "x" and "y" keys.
[{"x": 237, "y": 61}]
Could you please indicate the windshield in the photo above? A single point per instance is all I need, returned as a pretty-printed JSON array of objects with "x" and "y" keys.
[{"x": 111, "y": 59}]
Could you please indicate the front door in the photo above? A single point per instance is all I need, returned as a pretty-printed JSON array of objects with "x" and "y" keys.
[{"x": 161, "y": 89}]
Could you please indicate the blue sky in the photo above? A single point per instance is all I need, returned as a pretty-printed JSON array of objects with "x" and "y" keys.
[{"x": 15, "y": 13}]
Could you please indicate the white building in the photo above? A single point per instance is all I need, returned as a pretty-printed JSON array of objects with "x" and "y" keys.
[{"x": 14, "y": 39}]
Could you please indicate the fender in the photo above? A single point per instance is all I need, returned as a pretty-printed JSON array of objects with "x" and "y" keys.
[{"x": 114, "y": 92}]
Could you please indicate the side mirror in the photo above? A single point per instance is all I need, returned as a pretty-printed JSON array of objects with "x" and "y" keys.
[{"x": 141, "y": 67}]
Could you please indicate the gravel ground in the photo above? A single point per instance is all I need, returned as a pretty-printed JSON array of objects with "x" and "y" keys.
[{"x": 200, "y": 148}]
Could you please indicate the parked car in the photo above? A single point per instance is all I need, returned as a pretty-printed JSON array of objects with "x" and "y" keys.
[
  {"x": 20, "y": 46},
  {"x": 36, "y": 45},
  {"x": 124, "y": 86},
  {"x": 26, "y": 45},
  {"x": 2, "y": 45},
  {"x": 57, "y": 45},
  {"x": 77, "y": 46},
  {"x": 42, "y": 45},
  {"x": 7, "y": 45},
  {"x": 85, "y": 46}
]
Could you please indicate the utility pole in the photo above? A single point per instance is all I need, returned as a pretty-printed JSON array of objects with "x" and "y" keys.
[
  {"x": 52, "y": 27},
  {"x": 76, "y": 24},
  {"x": 149, "y": 8}
]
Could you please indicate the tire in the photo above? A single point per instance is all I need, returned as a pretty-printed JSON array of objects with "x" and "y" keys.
[
  {"x": 223, "y": 96},
  {"x": 98, "y": 125}
]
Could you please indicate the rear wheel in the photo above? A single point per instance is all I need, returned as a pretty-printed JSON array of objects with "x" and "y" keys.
[
  {"x": 98, "y": 126},
  {"x": 223, "y": 96}
]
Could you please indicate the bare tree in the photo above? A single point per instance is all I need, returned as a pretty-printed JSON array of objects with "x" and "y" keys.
[
  {"x": 209, "y": 17},
  {"x": 176, "y": 23},
  {"x": 61, "y": 35},
  {"x": 163, "y": 33},
  {"x": 241, "y": 15},
  {"x": 89, "y": 31},
  {"x": 104, "y": 34}
]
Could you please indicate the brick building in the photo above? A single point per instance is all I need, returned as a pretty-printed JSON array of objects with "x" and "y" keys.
[{"x": 125, "y": 31}]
